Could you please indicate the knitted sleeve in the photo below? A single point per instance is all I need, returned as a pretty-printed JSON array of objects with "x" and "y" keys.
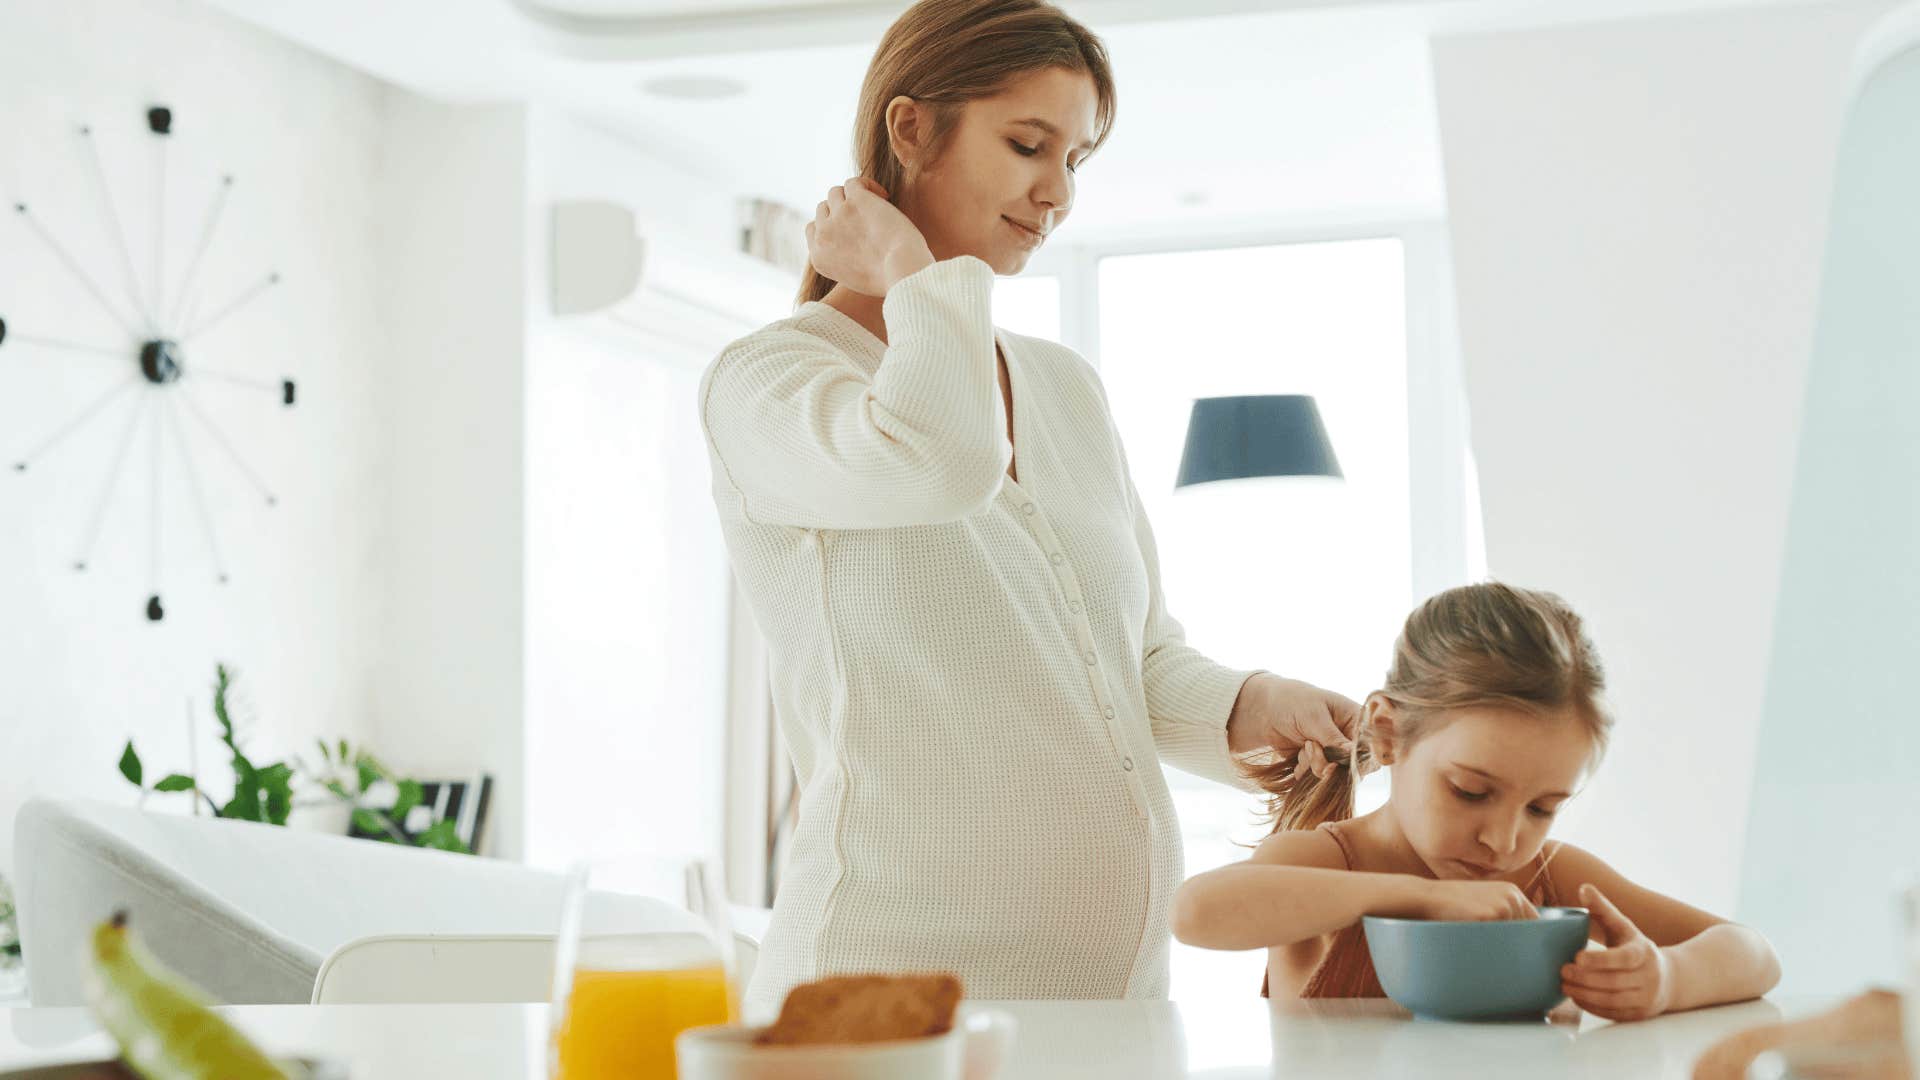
[
  {"x": 1189, "y": 697},
  {"x": 810, "y": 440}
]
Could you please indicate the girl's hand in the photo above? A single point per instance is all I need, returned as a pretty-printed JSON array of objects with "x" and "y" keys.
[
  {"x": 1474, "y": 901},
  {"x": 1631, "y": 979},
  {"x": 864, "y": 242}
]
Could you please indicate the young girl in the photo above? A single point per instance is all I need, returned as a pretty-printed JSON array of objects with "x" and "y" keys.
[{"x": 1491, "y": 716}]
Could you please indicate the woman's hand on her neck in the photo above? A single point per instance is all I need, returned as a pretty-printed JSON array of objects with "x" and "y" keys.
[{"x": 863, "y": 242}]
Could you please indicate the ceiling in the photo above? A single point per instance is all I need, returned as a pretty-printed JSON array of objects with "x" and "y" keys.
[{"x": 1263, "y": 112}]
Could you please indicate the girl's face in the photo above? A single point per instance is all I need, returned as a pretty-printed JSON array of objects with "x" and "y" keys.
[
  {"x": 1004, "y": 178},
  {"x": 1476, "y": 794}
]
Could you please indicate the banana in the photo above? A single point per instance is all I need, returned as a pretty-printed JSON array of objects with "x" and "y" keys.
[{"x": 163, "y": 1024}]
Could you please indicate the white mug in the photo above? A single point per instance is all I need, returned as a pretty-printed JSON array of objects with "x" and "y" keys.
[{"x": 974, "y": 1050}]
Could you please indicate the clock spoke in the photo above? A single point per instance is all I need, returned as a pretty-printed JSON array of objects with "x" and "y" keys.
[
  {"x": 160, "y": 122},
  {"x": 232, "y": 454},
  {"x": 72, "y": 346},
  {"x": 207, "y": 229},
  {"x": 154, "y": 505},
  {"x": 236, "y": 304},
  {"x": 119, "y": 232},
  {"x": 92, "y": 410},
  {"x": 273, "y": 387},
  {"x": 99, "y": 515},
  {"x": 73, "y": 267},
  {"x": 194, "y": 485}
]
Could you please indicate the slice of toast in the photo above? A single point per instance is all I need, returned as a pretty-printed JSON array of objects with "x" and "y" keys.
[{"x": 865, "y": 1008}]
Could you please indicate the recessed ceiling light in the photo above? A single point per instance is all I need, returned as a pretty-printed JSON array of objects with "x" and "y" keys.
[{"x": 694, "y": 87}]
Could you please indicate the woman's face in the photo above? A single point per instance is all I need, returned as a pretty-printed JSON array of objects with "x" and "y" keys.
[
  {"x": 1476, "y": 794},
  {"x": 1004, "y": 178}
]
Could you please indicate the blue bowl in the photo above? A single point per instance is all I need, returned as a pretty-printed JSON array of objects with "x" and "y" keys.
[{"x": 1476, "y": 970}]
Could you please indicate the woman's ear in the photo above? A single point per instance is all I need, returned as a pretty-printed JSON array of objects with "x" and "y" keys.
[
  {"x": 908, "y": 126},
  {"x": 1382, "y": 727}
]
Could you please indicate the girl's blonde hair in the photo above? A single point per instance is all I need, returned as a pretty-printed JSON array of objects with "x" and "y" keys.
[
  {"x": 945, "y": 53},
  {"x": 1478, "y": 645}
]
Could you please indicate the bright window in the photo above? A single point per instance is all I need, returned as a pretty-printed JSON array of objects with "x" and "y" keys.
[
  {"x": 1307, "y": 578},
  {"x": 1028, "y": 305}
]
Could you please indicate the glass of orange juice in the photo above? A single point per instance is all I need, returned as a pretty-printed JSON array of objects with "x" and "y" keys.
[{"x": 645, "y": 951}]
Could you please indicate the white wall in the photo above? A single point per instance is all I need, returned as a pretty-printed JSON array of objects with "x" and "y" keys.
[
  {"x": 1637, "y": 212},
  {"x": 627, "y": 575},
  {"x": 452, "y": 260},
  {"x": 1835, "y": 824},
  {"x": 382, "y": 599},
  {"x": 81, "y": 669}
]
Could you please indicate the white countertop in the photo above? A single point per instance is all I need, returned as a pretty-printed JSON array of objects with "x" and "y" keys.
[{"x": 1239, "y": 1037}]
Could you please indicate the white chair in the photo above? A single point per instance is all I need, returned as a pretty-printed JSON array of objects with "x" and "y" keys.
[
  {"x": 455, "y": 968},
  {"x": 250, "y": 912}
]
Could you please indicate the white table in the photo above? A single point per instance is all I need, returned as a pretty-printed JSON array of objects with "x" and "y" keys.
[{"x": 1240, "y": 1037}]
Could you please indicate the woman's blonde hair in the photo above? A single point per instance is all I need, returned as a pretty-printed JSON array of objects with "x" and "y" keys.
[
  {"x": 945, "y": 53},
  {"x": 1478, "y": 645}
]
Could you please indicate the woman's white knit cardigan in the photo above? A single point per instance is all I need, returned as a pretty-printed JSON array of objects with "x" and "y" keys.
[{"x": 978, "y": 679}]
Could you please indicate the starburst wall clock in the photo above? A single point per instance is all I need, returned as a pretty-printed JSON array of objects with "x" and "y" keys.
[{"x": 156, "y": 332}]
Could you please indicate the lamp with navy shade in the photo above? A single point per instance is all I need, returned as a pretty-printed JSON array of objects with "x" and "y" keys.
[{"x": 1230, "y": 438}]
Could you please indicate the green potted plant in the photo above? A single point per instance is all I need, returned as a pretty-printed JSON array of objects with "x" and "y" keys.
[{"x": 378, "y": 801}]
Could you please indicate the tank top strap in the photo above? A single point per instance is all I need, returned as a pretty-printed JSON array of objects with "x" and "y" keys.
[
  {"x": 1541, "y": 890},
  {"x": 1338, "y": 830},
  {"x": 1341, "y": 947}
]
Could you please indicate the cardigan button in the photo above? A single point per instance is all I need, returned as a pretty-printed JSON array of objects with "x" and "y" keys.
[
  {"x": 1056, "y": 558},
  {"x": 1127, "y": 764},
  {"x": 1029, "y": 508},
  {"x": 1109, "y": 714},
  {"x": 1073, "y": 606},
  {"x": 1091, "y": 658}
]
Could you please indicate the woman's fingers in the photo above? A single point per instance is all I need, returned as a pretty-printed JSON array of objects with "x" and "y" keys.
[
  {"x": 1346, "y": 716},
  {"x": 1314, "y": 760},
  {"x": 1302, "y": 765},
  {"x": 1315, "y": 724}
]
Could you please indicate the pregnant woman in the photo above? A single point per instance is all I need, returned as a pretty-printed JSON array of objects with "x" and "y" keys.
[{"x": 971, "y": 660}]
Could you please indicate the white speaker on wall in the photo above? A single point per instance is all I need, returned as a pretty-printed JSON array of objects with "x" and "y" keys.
[{"x": 597, "y": 256}]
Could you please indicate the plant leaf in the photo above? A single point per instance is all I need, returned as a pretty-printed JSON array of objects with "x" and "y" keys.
[
  {"x": 175, "y": 782},
  {"x": 409, "y": 797},
  {"x": 442, "y": 835},
  {"x": 368, "y": 822},
  {"x": 326, "y": 752},
  {"x": 222, "y": 680},
  {"x": 369, "y": 773},
  {"x": 130, "y": 765},
  {"x": 276, "y": 784},
  {"x": 340, "y": 789},
  {"x": 245, "y": 804}
]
